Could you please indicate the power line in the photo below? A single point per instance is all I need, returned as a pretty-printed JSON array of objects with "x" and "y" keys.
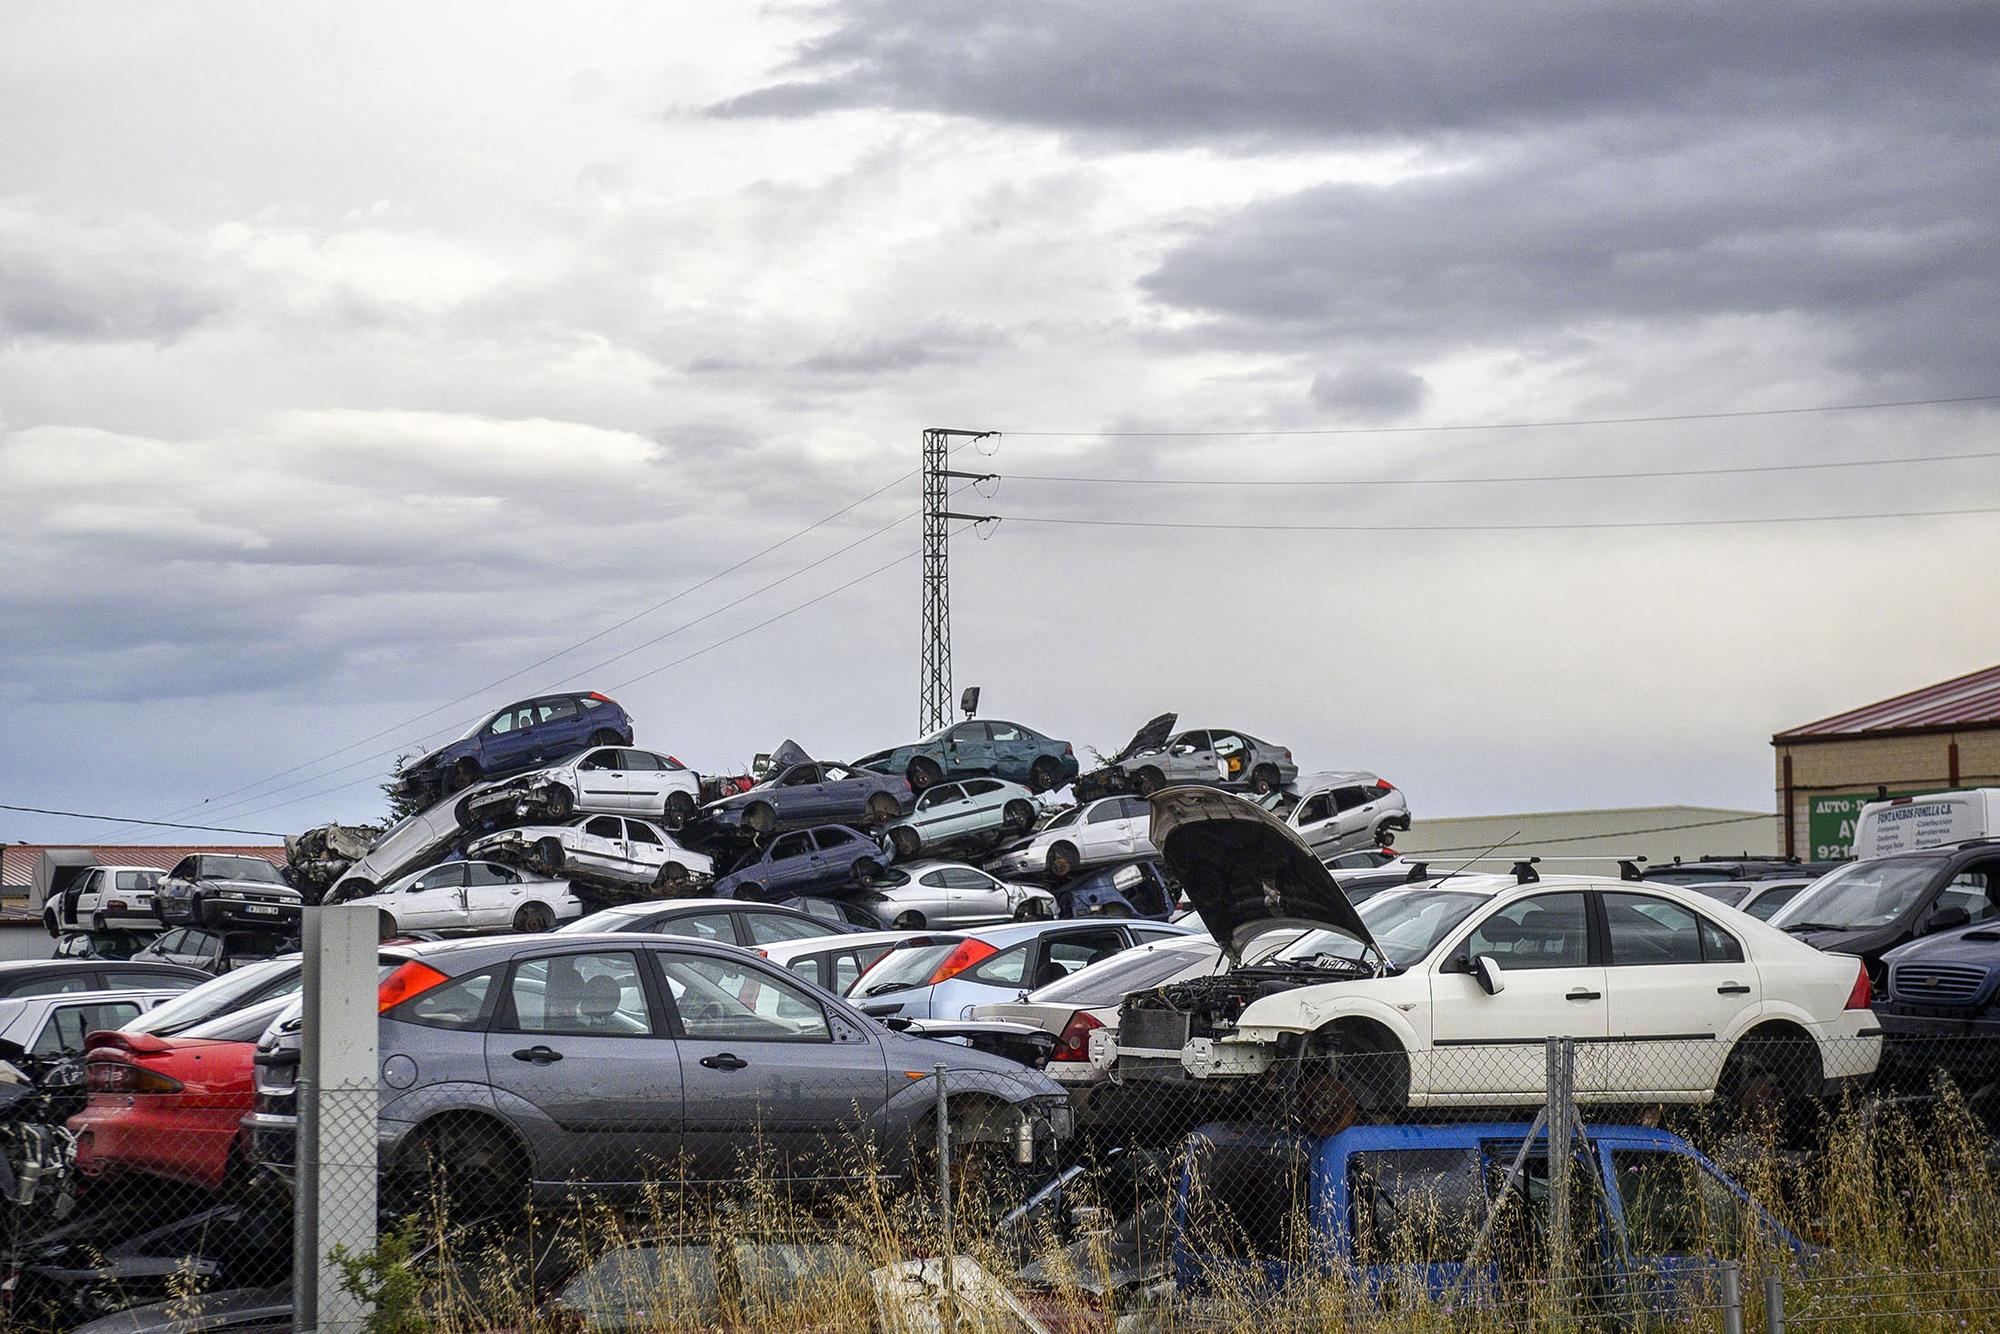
[
  {"x": 1534, "y": 425},
  {"x": 1524, "y": 477},
  {"x": 120, "y": 819},
  {"x": 1484, "y": 527}
]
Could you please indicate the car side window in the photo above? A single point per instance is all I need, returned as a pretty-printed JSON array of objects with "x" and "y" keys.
[
  {"x": 1765, "y": 906},
  {"x": 583, "y": 995},
  {"x": 486, "y": 873},
  {"x": 1971, "y": 890},
  {"x": 699, "y": 926},
  {"x": 144, "y": 981},
  {"x": 980, "y": 787},
  {"x": 444, "y": 877},
  {"x": 766, "y": 927},
  {"x": 807, "y": 967},
  {"x": 458, "y": 1004},
  {"x": 725, "y": 1000},
  {"x": 65, "y": 1028},
  {"x": 965, "y": 877},
  {"x": 642, "y": 833},
  {"x": 1646, "y": 930},
  {"x": 555, "y": 710},
  {"x": 934, "y": 880},
  {"x": 183, "y": 869},
  {"x": 1672, "y": 1205},
  {"x": 1314, "y": 809},
  {"x": 945, "y": 792},
  {"x": 502, "y": 725},
  {"x": 1008, "y": 968},
  {"x": 1543, "y": 931},
  {"x": 791, "y": 845},
  {"x": 605, "y": 826},
  {"x": 170, "y": 942},
  {"x": 831, "y": 838},
  {"x": 1406, "y": 1199},
  {"x": 1006, "y": 732},
  {"x": 1070, "y": 951},
  {"x": 1717, "y": 945},
  {"x": 849, "y": 965},
  {"x": 641, "y": 761},
  {"x": 1104, "y": 812},
  {"x": 1350, "y": 798},
  {"x": 599, "y": 760}
]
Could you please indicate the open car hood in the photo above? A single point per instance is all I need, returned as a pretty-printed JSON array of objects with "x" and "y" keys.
[
  {"x": 1148, "y": 738},
  {"x": 788, "y": 753},
  {"x": 1245, "y": 871}
]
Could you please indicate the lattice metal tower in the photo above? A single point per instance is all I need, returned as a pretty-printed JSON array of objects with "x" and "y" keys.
[{"x": 934, "y": 706}]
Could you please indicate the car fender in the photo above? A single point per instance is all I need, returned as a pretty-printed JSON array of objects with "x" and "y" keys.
[
  {"x": 1312, "y": 1008},
  {"x": 410, "y": 1112},
  {"x": 1770, "y": 1011}
]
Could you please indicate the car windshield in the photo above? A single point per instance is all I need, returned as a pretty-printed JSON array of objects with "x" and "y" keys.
[
  {"x": 1407, "y": 925},
  {"x": 204, "y": 1002},
  {"x": 909, "y": 965},
  {"x": 1859, "y": 895},
  {"x": 1111, "y": 979},
  {"x": 241, "y": 868},
  {"x": 604, "y": 919},
  {"x": 239, "y": 1025}
]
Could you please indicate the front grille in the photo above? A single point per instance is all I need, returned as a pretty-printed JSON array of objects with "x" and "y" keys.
[
  {"x": 1936, "y": 984},
  {"x": 1153, "y": 1030}
]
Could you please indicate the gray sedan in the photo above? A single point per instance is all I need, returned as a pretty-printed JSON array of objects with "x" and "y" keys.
[
  {"x": 1213, "y": 757},
  {"x": 541, "y": 1062},
  {"x": 930, "y": 894}
]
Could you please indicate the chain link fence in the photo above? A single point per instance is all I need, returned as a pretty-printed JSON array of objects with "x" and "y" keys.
[{"x": 1816, "y": 1183}]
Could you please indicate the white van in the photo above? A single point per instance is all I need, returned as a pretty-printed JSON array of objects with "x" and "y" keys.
[{"x": 1934, "y": 821}]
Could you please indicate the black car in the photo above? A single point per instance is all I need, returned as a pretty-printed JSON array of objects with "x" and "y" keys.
[
  {"x": 222, "y": 889},
  {"x": 729, "y": 921},
  {"x": 1870, "y": 907},
  {"x": 56, "y": 977},
  {"x": 1708, "y": 870},
  {"x": 216, "y": 952}
]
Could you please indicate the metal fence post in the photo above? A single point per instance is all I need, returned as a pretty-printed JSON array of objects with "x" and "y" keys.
[
  {"x": 948, "y": 1294},
  {"x": 1732, "y": 1297},
  {"x": 1561, "y": 1058},
  {"x": 1774, "y": 1304}
]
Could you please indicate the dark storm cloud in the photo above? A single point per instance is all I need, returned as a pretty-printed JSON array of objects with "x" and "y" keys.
[
  {"x": 1173, "y": 71},
  {"x": 1369, "y": 391}
]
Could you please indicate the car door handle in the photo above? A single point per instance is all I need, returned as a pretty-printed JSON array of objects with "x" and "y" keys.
[
  {"x": 1732, "y": 989},
  {"x": 538, "y": 1055},
  {"x": 1585, "y": 995},
  {"x": 724, "y": 1061}
]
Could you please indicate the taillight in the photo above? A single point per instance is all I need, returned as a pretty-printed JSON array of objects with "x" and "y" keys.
[
  {"x": 124, "y": 1077},
  {"x": 411, "y": 979},
  {"x": 968, "y": 953},
  {"x": 1863, "y": 994},
  {"x": 1385, "y": 785},
  {"x": 1074, "y": 1042},
  {"x": 601, "y": 699},
  {"x": 1068, "y": 749},
  {"x": 116, "y": 905}
]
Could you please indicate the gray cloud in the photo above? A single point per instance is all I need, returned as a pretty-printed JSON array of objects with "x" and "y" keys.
[
  {"x": 66, "y": 283},
  {"x": 1371, "y": 392}
]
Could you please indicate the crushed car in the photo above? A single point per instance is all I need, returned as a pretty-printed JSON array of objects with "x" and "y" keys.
[
  {"x": 804, "y": 791},
  {"x": 1217, "y": 757},
  {"x": 982, "y": 747},
  {"x": 1343, "y": 812},
  {"x": 913, "y": 895},
  {"x": 1109, "y": 829},
  {"x": 604, "y": 780},
  {"x": 974, "y": 813},
  {"x": 802, "y": 861},
  {"x": 104, "y": 897},
  {"x": 474, "y": 896},
  {"x": 598, "y": 850},
  {"x": 522, "y": 736},
  {"x": 317, "y": 859},
  {"x": 222, "y": 889}
]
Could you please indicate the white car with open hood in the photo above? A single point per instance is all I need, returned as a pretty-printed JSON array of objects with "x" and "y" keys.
[{"x": 1443, "y": 994}]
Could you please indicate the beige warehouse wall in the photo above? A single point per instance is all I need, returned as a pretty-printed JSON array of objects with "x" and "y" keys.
[
  {"x": 1861, "y": 764},
  {"x": 1657, "y": 833}
]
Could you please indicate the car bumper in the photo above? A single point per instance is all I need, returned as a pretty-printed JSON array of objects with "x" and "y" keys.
[
  {"x": 160, "y": 1135},
  {"x": 235, "y": 910}
]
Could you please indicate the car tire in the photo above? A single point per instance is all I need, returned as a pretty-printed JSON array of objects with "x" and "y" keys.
[
  {"x": 561, "y": 802},
  {"x": 1020, "y": 816},
  {"x": 49, "y": 921},
  {"x": 907, "y": 843},
  {"x": 923, "y": 773},
  {"x": 679, "y": 810},
  {"x": 761, "y": 818},
  {"x": 97, "y": 922},
  {"x": 751, "y": 891},
  {"x": 908, "y": 921},
  {"x": 463, "y": 775},
  {"x": 472, "y": 1166},
  {"x": 550, "y": 853},
  {"x": 1265, "y": 780},
  {"x": 865, "y": 870},
  {"x": 1062, "y": 862},
  {"x": 531, "y": 919},
  {"x": 881, "y": 809},
  {"x": 1343, "y": 1078},
  {"x": 1034, "y": 910},
  {"x": 1044, "y": 775},
  {"x": 1769, "y": 1081},
  {"x": 1148, "y": 781},
  {"x": 672, "y": 877},
  {"x": 1385, "y": 834},
  {"x": 385, "y": 926}
]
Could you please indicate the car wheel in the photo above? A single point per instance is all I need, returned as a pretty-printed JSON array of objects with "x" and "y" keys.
[
  {"x": 923, "y": 773},
  {"x": 471, "y": 1166},
  {"x": 749, "y": 890},
  {"x": 865, "y": 870},
  {"x": 1265, "y": 780},
  {"x": 680, "y": 810},
  {"x": 1062, "y": 862},
  {"x": 97, "y": 921},
  {"x": 762, "y": 818},
  {"x": 1385, "y": 834},
  {"x": 1020, "y": 816},
  {"x": 908, "y": 921},
  {"x": 881, "y": 809},
  {"x": 1343, "y": 1077},
  {"x": 1044, "y": 775},
  {"x": 49, "y": 921},
  {"x": 906, "y": 842},
  {"x": 550, "y": 853},
  {"x": 1769, "y": 1081},
  {"x": 1033, "y": 910},
  {"x": 463, "y": 775},
  {"x": 560, "y": 801},
  {"x": 672, "y": 876},
  {"x": 1149, "y": 781},
  {"x": 385, "y": 926},
  {"x": 533, "y": 919}
]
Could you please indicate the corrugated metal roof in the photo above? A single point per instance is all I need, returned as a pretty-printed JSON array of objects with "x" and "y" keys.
[
  {"x": 17, "y": 860},
  {"x": 1964, "y": 701}
]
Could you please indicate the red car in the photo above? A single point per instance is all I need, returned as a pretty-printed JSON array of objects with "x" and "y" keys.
[{"x": 170, "y": 1107}]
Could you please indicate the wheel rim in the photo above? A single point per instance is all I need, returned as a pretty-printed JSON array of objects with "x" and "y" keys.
[
  {"x": 552, "y": 857},
  {"x": 1060, "y": 864},
  {"x": 906, "y": 843},
  {"x": 923, "y": 774},
  {"x": 559, "y": 801},
  {"x": 673, "y": 873},
  {"x": 761, "y": 819}
]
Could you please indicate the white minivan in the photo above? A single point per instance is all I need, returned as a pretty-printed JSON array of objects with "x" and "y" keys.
[{"x": 1936, "y": 820}]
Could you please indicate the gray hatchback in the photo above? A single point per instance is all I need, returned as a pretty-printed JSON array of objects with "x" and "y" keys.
[{"x": 546, "y": 1061}]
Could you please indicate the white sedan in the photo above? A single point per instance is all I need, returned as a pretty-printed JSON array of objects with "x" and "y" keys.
[
  {"x": 473, "y": 896},
  {"x": 1442, "y": 994},
  {"x": 606, "y": 847},
  {"x": 618, "y": 780},
  {"x": 1106, "y": 830}
]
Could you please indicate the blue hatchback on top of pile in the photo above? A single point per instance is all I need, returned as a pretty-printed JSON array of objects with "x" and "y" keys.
[{"x": 524, "y": 735}]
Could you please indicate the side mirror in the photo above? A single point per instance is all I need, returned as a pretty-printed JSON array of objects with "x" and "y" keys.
[
  {"x": 1486, "y": 971},
  {"x": 1947, "y": 919}
]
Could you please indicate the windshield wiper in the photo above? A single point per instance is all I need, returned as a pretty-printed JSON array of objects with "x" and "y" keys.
[
  {"x": 881, "y": 987},
  {"x": 1818, "y": 926}
]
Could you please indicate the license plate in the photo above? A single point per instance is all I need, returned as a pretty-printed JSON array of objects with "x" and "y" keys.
[{"x": 260, "y": 907}]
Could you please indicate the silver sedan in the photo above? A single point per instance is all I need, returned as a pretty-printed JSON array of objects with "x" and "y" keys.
[
  {"x": 949, "y": 894},
  {"x": 1212, "y": 757}
]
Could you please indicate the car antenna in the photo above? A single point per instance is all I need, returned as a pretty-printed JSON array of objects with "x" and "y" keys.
[{"x": 1473, "y": 861}]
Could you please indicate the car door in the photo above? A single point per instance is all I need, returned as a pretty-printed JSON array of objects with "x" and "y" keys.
[
  {"x": 1014, "y": 749},
  {"x": 771, "y": 1071},
  {"x": 602, "y": 782},
  {"x": 560, "y": 728},
  {"x": 578, "y": 1038},
  {"x": 493, "y": 894},
  {"x": 1104, "y": 832},
  {"x": 1314, "y": 820},
  {"x": 972, "y": 896},
  {"x": 790, "y": 861},
  {"x": 600, "y": 843},
  {"x": 1552, "y": 984},
  {"x": 646, "y": 847},
  {"x": 434, "y": 899},
  {"x": 1677, "y": 983},
  {"x": 835, "y": 852},
  {"x": 506, "y": 741},
  {"x": 646, "y": 784},
  {"x": 936, "y": 809},
  {"x": 67, "y": 1023},
  {"x": 1229, "y": 752},
  {"x": 968, "y": 749},
  {"x": 82, "y": 891}
]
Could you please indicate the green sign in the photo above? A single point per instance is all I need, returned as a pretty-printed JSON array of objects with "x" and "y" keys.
[{"x": 1830, "y": 822}]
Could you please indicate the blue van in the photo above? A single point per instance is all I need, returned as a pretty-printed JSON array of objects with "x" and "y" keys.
[{"x": 1647, "y": 1206}]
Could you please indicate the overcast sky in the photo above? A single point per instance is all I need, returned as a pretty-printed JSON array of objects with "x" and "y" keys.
[{"x": 353, "y": 358}]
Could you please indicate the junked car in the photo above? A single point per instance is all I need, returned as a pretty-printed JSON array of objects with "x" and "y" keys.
[
  {"x": 1109, "y": 829},
  {"x": 1760, "y": 898},
  {"x": 915, "y": 895},
  {"x": 982, "y": 747},
  {"x": 944, "y": 976},
  {"x": 521, "y": 736},
  {"x": 414, "y": 842},
  {"x": 618, "y": 849},
  {"x": 616, "y": 780},
  {"x": 834, "y": 962},
  {"x": 975, "y": 810},
  {"x": 1440, "y": 994},
  {"x": 1871, "y": 906},
  {"x": 104, "y": 897},
  {"x": 472, "y": 896},
  {"x": 1337, "y": 813},
  {"x": 1212, "y": 756},
  {"x": 1137, "y": 888},
  {"x": 223, "y": 889},
  {"x": 727, "y": 921},
  {"x": 803, "y": 791},
  {"x": 803, "y": 860},
  {"x": 543, "y": 1062}
]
